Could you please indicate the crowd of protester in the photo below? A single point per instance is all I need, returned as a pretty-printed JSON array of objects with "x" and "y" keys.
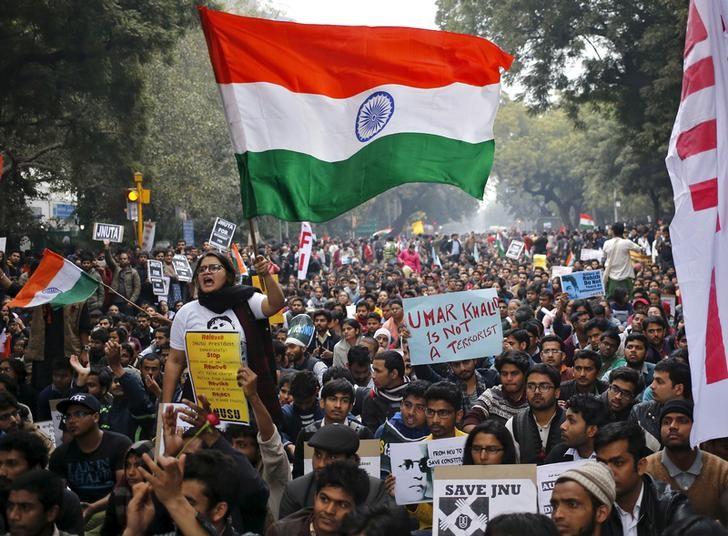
[{"x": 605, "y": 379}]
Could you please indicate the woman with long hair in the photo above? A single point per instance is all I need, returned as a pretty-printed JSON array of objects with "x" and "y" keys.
[
  {"x": 350, "y": 336},
  {"x": 489, "y": 443}
]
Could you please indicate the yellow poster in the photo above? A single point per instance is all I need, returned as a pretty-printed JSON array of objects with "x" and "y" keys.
[
  {"x": 213, "y": 358},
  {"x": 418, "y": 228},
  {"x": 278, "y": 317},
  {"x": 539, "y": 261}
]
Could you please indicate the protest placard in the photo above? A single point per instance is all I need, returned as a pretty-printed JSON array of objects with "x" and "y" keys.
[
  {"x": 412, "y": 465},
  {"x": 56, "y": 419},
  {"x": 3, "y": 243},
  {"x": 368, "y": 457},
  {"x": 108, "y": 231},
  {"x": 214, "y": 358},
  {"x": 182, "y": 268},
  {"x": 160, "y": 287},
  {"x": 150, "y": 229},
  {"x": 540, "y": 261},
  {"x": 453, "y": 326},
  {"x": 557, "y": 271},
  {"x": 222, "y": 234},
  {"x": 547, "y": 475},
  {"x": 155, "y": 270},
  {"x": 583, "y": 284},
  {"x": 515, "y": 249},
  {"x": 278, "y": 317},
  {"x": 591, "y": 254},
  {"x": 47, "y": 428},
  {"x": 466, "y": 498},
  {"x": 391, "y": 435}
]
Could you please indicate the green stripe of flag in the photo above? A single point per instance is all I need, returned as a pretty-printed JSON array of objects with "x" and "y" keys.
[
  {"x": 80, "y": 292},
  {"x": 298, "y": 187}
]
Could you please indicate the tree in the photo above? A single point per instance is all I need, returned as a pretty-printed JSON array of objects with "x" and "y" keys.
[
  {"x": 70, "y": 107},
  {"x": 629, "y": 59}
]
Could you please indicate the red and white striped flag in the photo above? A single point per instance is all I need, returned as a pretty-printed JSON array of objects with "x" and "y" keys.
[{"x": 697, "y": 161}]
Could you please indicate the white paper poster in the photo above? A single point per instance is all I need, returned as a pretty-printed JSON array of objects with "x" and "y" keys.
[
  {"x": 515, "y": 249},
  {"x": 547, "y": 475},
  {"x": 591, "y": 254},
  {"x": 108, "y": 231}
]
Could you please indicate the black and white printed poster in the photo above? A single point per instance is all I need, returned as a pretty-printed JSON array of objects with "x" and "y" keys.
[
  {"x": 466, "y": 498},
  {"x": 222, "y": 234}
]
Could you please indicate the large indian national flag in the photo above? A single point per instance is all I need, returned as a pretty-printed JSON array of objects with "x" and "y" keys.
[
  {"x": 56, "y": 281},
  {"x": 323, "y": 118}
]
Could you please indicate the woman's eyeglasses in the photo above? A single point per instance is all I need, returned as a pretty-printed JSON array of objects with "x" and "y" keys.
[{"x": 210, "y": 268}]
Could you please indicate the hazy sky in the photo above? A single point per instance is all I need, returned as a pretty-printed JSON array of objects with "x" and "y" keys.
[{"x": 414, "y": 13}]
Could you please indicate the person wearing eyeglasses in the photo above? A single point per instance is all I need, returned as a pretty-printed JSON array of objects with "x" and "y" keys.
[
  {"x": 489, "y": 443},
  {"x": 223, "y": 305},
  {"x": 621, "y": 395},
  {"x": 536, "y": 431},
  {"x": 92, "y": 462}
]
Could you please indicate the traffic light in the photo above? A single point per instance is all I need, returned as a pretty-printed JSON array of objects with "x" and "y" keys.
[{"x": 132, "y": 195}]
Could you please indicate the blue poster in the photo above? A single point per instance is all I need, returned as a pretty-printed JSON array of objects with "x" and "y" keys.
[
  {"x": 454, "y": 326},
  {"x": 583, "y": 284}
]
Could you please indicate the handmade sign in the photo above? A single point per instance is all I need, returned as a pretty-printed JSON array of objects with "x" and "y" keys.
[
  {"x": 515, "y": 249},
  {"x": 155, "y": 270},
  {"x": 583, "y": 284},
  {"x": 48, "y": 429},
  {"x": 466, "y": 498},
  {"x": 160, "y": 287},
  {"x": 557, "y": 271},
  {"x": 108, "y": 231},
  {"x": 453, "y": 326},
  {"x": 412, "y": 465},
  {"x": 368, "y": 457},
  {"x": 222, "y": 234},
  {"x": 182, "y": 268},
  {"x": 539, "y": 261},
  {"x": 591, "y": 254},
  {"x": 547, "y": 476},
  {"x": 213, "y": 359}
]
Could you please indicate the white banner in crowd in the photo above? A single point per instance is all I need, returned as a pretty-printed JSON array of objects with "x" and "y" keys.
[
  {"x": 108, "y": 231},
  {"x": 697, "y": 161},
  {"x": 515, "y": 249},
  {"x": 305, "y": 245},
  {"x": 547, "y": 476},
  {"x": 150, "y": 229},
  {"x": 591, "y": 254}
]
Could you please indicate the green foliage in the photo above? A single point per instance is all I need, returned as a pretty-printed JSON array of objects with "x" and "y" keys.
[
  {"x": 70, "y": 107},
  {"x": 626, "y": 57}
]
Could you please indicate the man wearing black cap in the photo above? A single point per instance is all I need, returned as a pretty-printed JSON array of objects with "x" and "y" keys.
[
  {"x": 702, "y": 476},
  {"x": 93, "y": 461},
  {"x": 331, "y": 442}
]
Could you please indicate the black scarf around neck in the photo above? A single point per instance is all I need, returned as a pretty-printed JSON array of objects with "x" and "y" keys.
[{"x": 226, "y": 298}]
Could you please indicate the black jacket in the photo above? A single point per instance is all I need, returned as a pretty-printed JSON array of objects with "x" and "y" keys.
[
  {"x": 568, "y": 389},
  {"x": 660, "y": 508},
  {"x": 525, "y": 433}
]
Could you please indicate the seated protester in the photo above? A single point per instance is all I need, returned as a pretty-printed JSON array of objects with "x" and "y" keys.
[
  {"x": 341, "y": 487},
  {"x": 443, "y": 410},
  {"x": 643, "y": 506},
  {"x": 501, "y": 402},
  {"x": 330, "y": 443},
  {"x": 34, "y": 504},
  {"x": 92, "y": 462},
  {"x": 360, "y": 367},
  {"x": 609, "y": 342},
  {"x": 586, "y": 376},
  {"x": 117, "y": 508},
  {"x": 150, "y": 366},
  {"x": 378, "y": 521},
  {"x": 594, "y": 330},
  {"x": 517, "y": 339},
  {"x": 671, "y": 381},
  {"x": 143, "y": 331},
  {"x": 324, "y": 340},
  {"x": 635, "y": 351},
  {"x": 159, "y": 343},
  {"x": 10, "y": 386},
  {"x": 621, "y": 395},
  {"x": 336, "y": 401},
  {"x": 582, "y": 500},
  {"x": 523, "y": 524},
  {"x": 383, "y": 338},
  {"x": 250, "y": 493},
  {"x": 489, "y": 443},
  {"x": 408, "y": 424},
  {"x": 656, "y": 330},
  {"x": 12, "y": 420},
  {"x": 585, "y": 414},
  {"x": 552, "y": 354},
  {"x": 21, "y": 452},
  {"x": 60, "y": 387},
  {"x": 304, "y": 409},
  {"x": 196, "y": 492},
  {"x": 371, "y": 344},
  {"x": 385, "y": 398},
  {"x": 536, "y": 431},
  {"x": 96, "y": 344},
  {"x": 464, "y": 375},
  {"x": 696, "y": 526},
  {"x": 283, "y": 389},
  {"x": 702, "y": 476},
  {"x": 27, "y": 395}
]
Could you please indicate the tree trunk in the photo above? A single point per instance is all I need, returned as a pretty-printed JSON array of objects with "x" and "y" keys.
[
  {"x": 408, "y": 206},
  {"x": 655, "y": 199},
  {"x": 564, "y": 212}
]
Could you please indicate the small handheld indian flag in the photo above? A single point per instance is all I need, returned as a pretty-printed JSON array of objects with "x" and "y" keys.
[
  {"x": 586, "y": 221},
  {"x": 239, "y": 260},
  {"x": 56, "y": 281}
]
